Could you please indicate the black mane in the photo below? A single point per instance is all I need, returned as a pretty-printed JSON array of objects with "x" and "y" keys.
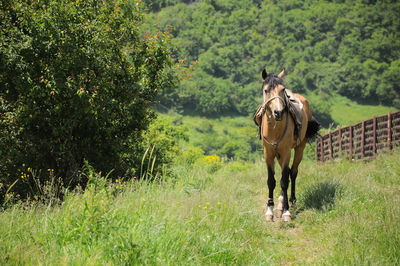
[{"x": 273, "y": 80}]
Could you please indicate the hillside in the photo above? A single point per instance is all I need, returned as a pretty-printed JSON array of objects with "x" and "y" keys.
[
  {"x": 350, "y": 48},
  {"x": 347, "y": 213}
]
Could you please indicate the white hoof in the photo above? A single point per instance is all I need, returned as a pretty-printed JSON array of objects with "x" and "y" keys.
[
  {"x": 269, "y": 214},
  {"x": 286, "y": 216}
]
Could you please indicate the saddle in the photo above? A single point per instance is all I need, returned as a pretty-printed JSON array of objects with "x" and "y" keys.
[{"x": 295, "y": 107}]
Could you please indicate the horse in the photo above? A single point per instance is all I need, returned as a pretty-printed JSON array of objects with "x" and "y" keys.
[{"x": 281, "y": 131}]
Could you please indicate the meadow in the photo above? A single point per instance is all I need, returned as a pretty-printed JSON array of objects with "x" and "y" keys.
[{"x": 212, "y": 213}]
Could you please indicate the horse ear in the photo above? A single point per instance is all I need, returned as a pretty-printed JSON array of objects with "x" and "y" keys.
[
  {"x": 283, "y": 72},
  {"x": 264, "y": 74}
]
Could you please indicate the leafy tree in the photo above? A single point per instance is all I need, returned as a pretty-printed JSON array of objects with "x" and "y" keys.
[{"x": 76, "y": 81}]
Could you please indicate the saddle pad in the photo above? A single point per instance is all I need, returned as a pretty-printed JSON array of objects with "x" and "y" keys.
[{"x": 295, "y": 107}]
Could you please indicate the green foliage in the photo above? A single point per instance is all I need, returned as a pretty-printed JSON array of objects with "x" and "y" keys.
[
  {"x": 76, "y": 81},
  {"x": 190, "y": 155},
  {"x": 345, "y": 47},
  {"x": 162, "y": 138}
]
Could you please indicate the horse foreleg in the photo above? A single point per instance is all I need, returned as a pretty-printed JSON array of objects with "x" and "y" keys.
[
  {"x": 269, "y": 214},
  {"x": 298, "y": 156},
  {"x": 284, "y": 185}
]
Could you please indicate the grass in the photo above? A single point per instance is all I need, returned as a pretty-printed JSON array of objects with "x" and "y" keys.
[
  {"x": 347, "y": 213},
  {"x": 346, "y": 112}
]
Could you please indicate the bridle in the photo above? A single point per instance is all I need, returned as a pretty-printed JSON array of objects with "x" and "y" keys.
[{"x": 263, "y": 109}]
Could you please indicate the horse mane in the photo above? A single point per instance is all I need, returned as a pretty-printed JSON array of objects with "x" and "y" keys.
[{"x": 273, "y": 80}]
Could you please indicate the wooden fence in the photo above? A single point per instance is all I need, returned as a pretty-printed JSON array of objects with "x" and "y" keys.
[{"x": 360, "y": 141}]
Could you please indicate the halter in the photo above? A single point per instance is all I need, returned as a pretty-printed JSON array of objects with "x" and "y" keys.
[{"x": 263, "y": 109}]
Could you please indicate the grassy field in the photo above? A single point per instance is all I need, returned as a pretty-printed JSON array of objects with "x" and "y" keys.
[
  {"x": 347, "y": 213},
  {"x": 346, "y": 112}
]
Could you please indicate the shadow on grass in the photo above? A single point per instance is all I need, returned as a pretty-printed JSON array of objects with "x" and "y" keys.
[{"x": 320, "y": 196}]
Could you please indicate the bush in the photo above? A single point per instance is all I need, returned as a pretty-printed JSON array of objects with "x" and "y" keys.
[
  {"x": 210, "y": 162},
  {"x": 76, "y": 81},
  {"x": 190, "y": 155},
  {"x": 161, "y": 141}
]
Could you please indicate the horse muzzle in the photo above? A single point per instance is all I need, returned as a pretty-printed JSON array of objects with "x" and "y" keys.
[{"x": 278, "y": 115}]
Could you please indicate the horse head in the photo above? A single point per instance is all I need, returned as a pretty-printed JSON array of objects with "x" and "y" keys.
[{"x": 274, "y": 94}]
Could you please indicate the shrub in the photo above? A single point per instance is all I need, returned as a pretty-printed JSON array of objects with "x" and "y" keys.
[
  {"x": 211, "y": 162},
  {"x": 76, "y": 81},
  {"x": 161, "y": 140}
]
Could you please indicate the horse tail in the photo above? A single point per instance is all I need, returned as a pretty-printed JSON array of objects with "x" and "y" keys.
[{"x": 313, "y": 127}]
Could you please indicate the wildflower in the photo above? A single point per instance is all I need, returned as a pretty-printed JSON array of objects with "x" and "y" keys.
[
  {"x": 29, "y": 169},
  {"x": 116, "y": 181},
  {"x": 199, "y": 205},
  {"x": 218, "y": 203},
  {"x": 205, "y": 207},
  {"x": 207, "y": 203}
]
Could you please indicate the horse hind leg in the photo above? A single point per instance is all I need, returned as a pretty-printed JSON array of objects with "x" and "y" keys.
[
  {"x": 279, "y": 208},
  {"x": 269, "y": 214}
]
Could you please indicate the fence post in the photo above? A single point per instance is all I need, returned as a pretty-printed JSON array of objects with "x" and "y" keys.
[
  {"x": 351, "y": 142},
  {"x": 340, "y": 140},
  {"x": 362, "y": 138},
  {"x": 322, "y": 149},
  {"x": 330, "y": 146},
  {"x": 374, "y": 137},
  {"x": 389, "y": 130},
  {"x": 316, "y": 150}
]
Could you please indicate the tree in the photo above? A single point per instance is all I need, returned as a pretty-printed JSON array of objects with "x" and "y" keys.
[{"x": 76, "y": 81}]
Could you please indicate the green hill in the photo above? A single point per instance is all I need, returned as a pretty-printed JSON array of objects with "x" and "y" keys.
[{"x": 351, "y": 48}]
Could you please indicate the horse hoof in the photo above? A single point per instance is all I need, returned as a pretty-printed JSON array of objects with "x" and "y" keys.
[
  {"x": 286, "y": 216},
  {"x": 280, "y": 206},
  {"x": 269, "y": 215}
]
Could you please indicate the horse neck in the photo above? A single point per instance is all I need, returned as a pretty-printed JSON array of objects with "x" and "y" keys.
[{"x": 268, "y": 129}]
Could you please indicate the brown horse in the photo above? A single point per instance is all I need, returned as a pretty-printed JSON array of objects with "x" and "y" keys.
[{"x": 282, "y": 130}]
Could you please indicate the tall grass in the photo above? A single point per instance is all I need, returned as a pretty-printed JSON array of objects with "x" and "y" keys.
[{"x": 347, "y": 213}]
